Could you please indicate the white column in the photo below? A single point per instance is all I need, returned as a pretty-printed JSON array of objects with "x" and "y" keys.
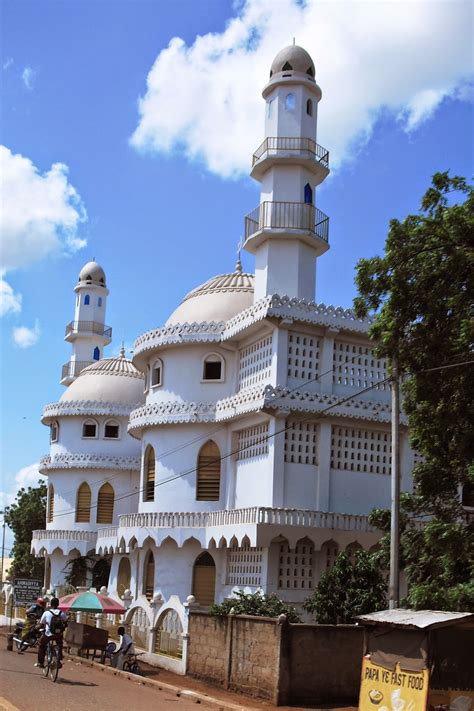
[
  {"x": 277, "y": 455},
  {"x": 324, "y": 467},
  {"x": 326, "y": 362}
]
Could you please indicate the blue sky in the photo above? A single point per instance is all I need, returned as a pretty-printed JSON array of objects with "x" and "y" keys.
[{"x": 157, "y": 191}]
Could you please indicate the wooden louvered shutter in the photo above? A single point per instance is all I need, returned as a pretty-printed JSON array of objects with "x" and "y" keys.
[
  {"x": 204, "y": 580},
  {"x": 150, "y": 475},
  {"x": 50, "y": 504},
  {"x": 209, "y": 473},
  {"x": 83, "y": 505},
  {"x": 105, "y": 504}
]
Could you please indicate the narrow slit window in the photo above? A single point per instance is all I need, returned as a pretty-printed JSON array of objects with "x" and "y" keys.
[
  {"x": 149, "y": 488},
  {"x": 309, "y": 107},
  {"x": 87, "y": 300},
  {"x": 156, "y": 374}
]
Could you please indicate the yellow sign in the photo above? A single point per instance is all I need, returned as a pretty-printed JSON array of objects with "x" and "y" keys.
[{"x": 385, "y": 690}]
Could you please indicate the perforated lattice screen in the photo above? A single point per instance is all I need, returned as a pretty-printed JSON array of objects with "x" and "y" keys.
[
  {"x": 303, "y": 356},
  {"x": 356, "y": 366},
  {"x": 253, "y": 442},
  {"x": 301, "y": 442},
  {"x": 255, "y": 363},
  {"x": 360, "y": 450}
]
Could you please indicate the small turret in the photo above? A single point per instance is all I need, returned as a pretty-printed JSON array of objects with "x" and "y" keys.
[{"x": 87, "y": 333}]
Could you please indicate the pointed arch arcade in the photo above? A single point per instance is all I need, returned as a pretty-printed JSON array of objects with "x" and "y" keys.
[{"x": 149, "y": 576}]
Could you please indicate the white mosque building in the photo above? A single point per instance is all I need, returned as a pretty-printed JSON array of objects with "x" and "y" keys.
[{"x": 249, "y": 438}]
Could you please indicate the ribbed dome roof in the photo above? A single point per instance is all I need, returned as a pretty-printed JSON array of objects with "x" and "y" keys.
[
  {"x": 218, "y": 299},
  {"x": 114, "y": 380},
  {"x": 92, "y": 273},
  {"x": 293, "y": 58}
]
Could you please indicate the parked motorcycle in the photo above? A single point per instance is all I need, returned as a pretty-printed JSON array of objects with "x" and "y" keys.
[{"x": 30, "y": 641}]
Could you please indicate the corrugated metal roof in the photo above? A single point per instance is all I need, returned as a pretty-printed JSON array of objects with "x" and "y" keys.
[{"x": 416, "y": 619}]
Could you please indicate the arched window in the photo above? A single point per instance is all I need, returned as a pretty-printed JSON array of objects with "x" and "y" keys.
[
  {"x": 105, "y": 504},
  {"x": 50, "y": 514},
  {"x": 124, "y": 576},
  {"x": 99, "y": 302},
  {"x": 87, "y": 300},
  {"x": 204, "y": 579},
  {"x": 329, "y": 551},
  {"x": 54, "y": 431},
  {"x": 208, "y": 482},
  {"x": 149, "y": 478},
  {"x": 149, "y": 576},
  {"x": 83, "y": 503},
  {"x": 213, "y": 367},
  {"x": 308, "y": 194},
  {"x": 309, "y": 107},
  {"x": 156, "y": 374},
  {"x": 111, "y": 429},
  {"x": 290, "y": 102},
  {"x": 89, "y": 429},
  {"x": 169, "y": 635},
  {"x": 96, "y": 354}
]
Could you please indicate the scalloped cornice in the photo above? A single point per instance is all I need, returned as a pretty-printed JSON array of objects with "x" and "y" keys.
[
  {"x": 298, "y": 310},
  {"x": 170, "y": 413},
  {"x": 84, "y": 407},
  {"x": 88, "y": 461},
  {"x": 303, "y": 401},
  {"x": 179, "y": 333},
  {"x": 248, "y": 400}
]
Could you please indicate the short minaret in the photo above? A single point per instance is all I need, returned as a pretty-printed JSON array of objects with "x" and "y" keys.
[
  {"x": 88, "y": 333},
  {"x": 287, "y": 232}
]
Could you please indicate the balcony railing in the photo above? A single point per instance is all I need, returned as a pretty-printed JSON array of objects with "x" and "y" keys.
[
  {"x": 74, "y": 367},
  {"x": 288, "y": 215},
  {"x": 61, "y": 535},
  {"x": 88, "y": 327},
  {"x": 294, "y": 145}
]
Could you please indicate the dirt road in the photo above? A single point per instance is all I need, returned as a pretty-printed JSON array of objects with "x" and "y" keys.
[{"x": 79, "y": 688}]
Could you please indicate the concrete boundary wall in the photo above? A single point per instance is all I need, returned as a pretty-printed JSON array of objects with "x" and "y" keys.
[{"x": 271, "y": 659}]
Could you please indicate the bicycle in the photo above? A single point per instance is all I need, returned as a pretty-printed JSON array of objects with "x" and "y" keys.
[
  {"x": 131, "y": 664},
  {"x": 51, "y": 661}
]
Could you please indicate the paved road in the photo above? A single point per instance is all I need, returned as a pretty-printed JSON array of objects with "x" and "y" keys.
[{"x": 79, "y": 688}]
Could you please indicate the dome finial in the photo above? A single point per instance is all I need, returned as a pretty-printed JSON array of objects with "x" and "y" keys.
[
  {"x": 122, "y": 350},
  {"x": 238, "y": 264}
]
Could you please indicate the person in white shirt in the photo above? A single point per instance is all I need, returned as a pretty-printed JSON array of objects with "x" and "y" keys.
[
  {"x": 53, "y": 622},
  {"x": 126, "y": 648}
]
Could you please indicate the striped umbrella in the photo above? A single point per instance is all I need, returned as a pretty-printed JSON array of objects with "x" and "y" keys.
[{"x": 90, "y": 602}]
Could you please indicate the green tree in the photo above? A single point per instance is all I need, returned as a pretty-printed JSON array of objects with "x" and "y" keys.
[
  {"x": 348, "y": 589},
  {"x": 421, "y": 295},
  {"x": 26, "y": 514},
  {"x": 256, "y": 604}
]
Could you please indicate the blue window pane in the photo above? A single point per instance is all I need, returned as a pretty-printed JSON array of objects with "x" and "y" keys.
[
  {"x": 290, "y": 102},
  {"x": 87, "y": 300},
  {"x": 96, "y": 353},
  {"x": 308, "y": 194},
  {"x": 99, "y": 301}
]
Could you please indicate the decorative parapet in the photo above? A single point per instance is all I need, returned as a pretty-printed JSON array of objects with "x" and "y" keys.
[
  {"x": 253, "y": 515},
  {"x": 85, "y": 407},
  {"x": 248, "y": 400},
  {"x": 53, "y": 534},
  {"x": 204, "y": 332},
  {"x": 49, "y": 540},
  {"x": 298, "y": 310},
  {"x": 169, "y": 413},
  {"x": 88, "y": 461},
  {"x": 108, "y": 532},
  {"x": 276, "y": 398}
]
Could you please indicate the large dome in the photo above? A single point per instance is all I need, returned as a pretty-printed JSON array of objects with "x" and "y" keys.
[
  {"x": 92, "y": 273},
  {"x": 293, "y": 58},
  {"x": 219, "y": 299},
  {"x": 108, "y": 380}
]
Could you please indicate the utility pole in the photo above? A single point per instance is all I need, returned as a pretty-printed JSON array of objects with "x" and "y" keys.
[{"x": 394, "y": 581}]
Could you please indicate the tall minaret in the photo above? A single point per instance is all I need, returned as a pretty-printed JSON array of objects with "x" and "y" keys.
[
  {"x": 88, "y": 333},
  {"x": 286, "y": 232}
]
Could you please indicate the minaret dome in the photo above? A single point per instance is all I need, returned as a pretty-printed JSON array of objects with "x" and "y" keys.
[{"x": 92, "y": 273}]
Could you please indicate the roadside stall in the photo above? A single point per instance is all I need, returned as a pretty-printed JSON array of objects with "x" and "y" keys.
[
  {"x": 417, "y": 660},
  {"x": 86, "y": 638}
]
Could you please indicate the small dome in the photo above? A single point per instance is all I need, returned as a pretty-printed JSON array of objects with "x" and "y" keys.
[
  {"x": 113, "y": 380},
  {"x": 218, "y": 299},
  {"x": 92, "y": 273},
  {"x": 293, "y": 58}
]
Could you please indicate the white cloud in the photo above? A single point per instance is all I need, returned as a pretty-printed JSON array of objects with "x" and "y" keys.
[
  {"x": 10, "y": 303},
  {"x": 28, "y": 76},
  {"x": 41, "y": 213},
  {"x": 8, "y": 63},
  {"x": 405, "y": 56},
  {"x": 28, "y": 476},
  {"x": 25, "y": 337}
]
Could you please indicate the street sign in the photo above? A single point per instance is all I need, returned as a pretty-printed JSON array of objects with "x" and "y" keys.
[{"x": 26, "y": 591}]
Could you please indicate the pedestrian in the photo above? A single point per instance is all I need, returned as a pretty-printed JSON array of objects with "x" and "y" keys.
[{"x": 126, "y": 648}]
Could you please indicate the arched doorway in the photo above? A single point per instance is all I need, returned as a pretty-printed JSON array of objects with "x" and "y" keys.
[{"x": 204, "y": 579}]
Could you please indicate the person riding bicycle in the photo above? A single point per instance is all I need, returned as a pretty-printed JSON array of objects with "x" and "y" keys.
[
  {"x": 33, "y": 614},
  {"x": 126, "y": 648},
  {"x": 53, "y": 622}
]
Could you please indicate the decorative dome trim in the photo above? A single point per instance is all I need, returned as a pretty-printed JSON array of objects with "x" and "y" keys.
[
  {"x": 68, "y": 408},
  {"x": 236, "y": 281},
  {"x": 113, "y": 366}
]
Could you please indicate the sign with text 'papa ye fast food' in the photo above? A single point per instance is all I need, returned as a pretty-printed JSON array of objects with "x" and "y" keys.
[{"x": 385, "y": 690}]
